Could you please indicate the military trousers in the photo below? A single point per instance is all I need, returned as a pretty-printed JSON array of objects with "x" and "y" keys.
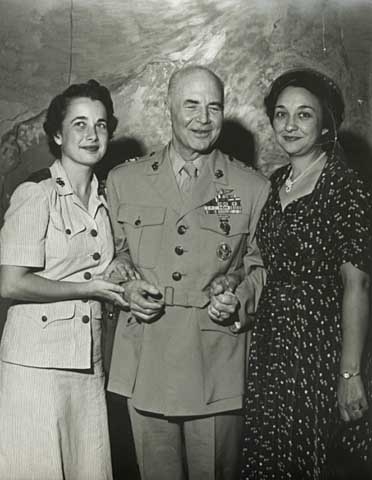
[{"x": 186, "y": 448}]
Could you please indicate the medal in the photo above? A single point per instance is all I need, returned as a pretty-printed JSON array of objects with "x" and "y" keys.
[
  {"x": 223, "y": 251},
  {"x": 224, "y": 225}
]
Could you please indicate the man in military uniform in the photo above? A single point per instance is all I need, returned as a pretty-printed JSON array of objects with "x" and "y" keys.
[{"x": 184, "y": 218}]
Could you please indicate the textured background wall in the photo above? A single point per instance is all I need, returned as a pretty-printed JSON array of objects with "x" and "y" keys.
[{"x": 134, "y": 45}]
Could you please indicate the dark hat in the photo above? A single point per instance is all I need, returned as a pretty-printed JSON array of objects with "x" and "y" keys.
[{"x": 320, "y": 85}]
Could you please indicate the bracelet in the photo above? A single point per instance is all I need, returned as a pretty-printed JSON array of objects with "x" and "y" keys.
[{"x": 346, "y": 375}]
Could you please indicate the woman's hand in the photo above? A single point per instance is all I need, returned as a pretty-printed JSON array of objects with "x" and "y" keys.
[
  {"x": 106, "y": 291},
  {"x": 351, "y": 398}
]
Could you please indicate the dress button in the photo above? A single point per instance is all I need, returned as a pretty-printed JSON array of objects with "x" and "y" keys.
[
  {"x": 68, "y": 231},
  {"x": 94, "y": 232},
  {"x": 44, "y": 318},
  {"x": 179, "y": 250},
  {"x": 181, "y": 229},
  {"x": 176, "y": 276},
  {"x": 96, "y": 256},
  {"x": 85, "y": 319},
  {"x": 87, "y": 275}
]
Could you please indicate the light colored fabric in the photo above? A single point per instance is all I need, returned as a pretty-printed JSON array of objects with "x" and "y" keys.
[
  {"x": 190, "y": 179},
  {"x": 206, "y": 447},
  {"x": 47, "y": 227},
  {"x": 53, "y": 424},
  {"x": 183, "y": 364},
  {"x": 178, "y": 164}
]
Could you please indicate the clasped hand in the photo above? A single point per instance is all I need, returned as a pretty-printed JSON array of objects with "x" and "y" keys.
[
  {"x": 143, "y": 298},
  {"x": 223, "y": 301}
]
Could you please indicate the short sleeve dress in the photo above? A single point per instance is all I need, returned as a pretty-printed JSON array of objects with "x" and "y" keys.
[{"x": 291, "y": 412}]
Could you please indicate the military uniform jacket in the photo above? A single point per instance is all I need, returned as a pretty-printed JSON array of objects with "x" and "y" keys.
[
  {"x": 184, "y": 363},
  {"x": 47, "y": 228}
]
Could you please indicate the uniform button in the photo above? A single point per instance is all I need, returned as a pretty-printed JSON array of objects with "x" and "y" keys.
[
  {"x": 87, "y": 275},
  {"x": 94, "y": 232},
  {"x": 85, "y": 300},
  {"x": 181, "y": 229},
  {"x": 179, "y": 250},
  {"x": 68, "y": 231},
  {"x": 96, "y": 256},
  {"x": 176, "y": 276},
  {"x": 44, "y": 318},
  {"x": 85, "y": 319},
  {"x": 137, "y": 222}
]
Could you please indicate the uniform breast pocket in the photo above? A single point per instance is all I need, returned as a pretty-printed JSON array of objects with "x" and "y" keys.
[
  {"x": 224, "y": 243},
  {"x": 144, "y": 229},
  {"x": 65, "y": 240}
]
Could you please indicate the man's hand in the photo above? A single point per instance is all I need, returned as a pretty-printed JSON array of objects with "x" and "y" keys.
[
  {"x": 144, "y": 299},
  {"x": 223, "y": 283},
  {"x": 222, "y": 306},
  {"x": 121, "y": 271}
]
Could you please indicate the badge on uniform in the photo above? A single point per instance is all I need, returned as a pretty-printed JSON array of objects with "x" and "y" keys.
[
  {"x": 224, "y": 204},
  {"x": 223, "y": 251}
]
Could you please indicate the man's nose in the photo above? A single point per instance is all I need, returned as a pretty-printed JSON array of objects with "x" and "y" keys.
[{"x": 204, "y": 115}]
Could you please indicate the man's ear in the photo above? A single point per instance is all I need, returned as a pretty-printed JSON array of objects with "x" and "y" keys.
[{"x": 58, "y": 138}]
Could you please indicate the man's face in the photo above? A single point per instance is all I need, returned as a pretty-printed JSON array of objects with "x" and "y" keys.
[{"x": 196, "y": 107}]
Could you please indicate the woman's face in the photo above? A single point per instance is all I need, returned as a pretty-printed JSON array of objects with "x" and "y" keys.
[
  {"x": 297, "y": 121},
  {"x": 83, "y": 137}
]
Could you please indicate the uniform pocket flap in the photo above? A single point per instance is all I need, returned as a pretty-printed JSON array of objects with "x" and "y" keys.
[
  {"x": 46, "y": 313},
  {"x": 140, "y": 215},
  {"x": 238, "y": 223}
]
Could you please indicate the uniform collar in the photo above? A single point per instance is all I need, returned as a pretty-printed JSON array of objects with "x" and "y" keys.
[
  {"x": 178, "y": 162},
  {"x": 64, "y": 188}
]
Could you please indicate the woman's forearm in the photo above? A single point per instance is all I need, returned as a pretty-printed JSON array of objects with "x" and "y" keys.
[
  {"x": 19, "y": 283},
  {"x": 355, "y": 317}
]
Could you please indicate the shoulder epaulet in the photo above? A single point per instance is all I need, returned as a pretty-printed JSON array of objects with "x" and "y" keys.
[{"x": 39, "y": 175}]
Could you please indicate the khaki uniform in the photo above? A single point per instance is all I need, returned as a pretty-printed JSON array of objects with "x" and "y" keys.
[
  {"x": 184, "y": 364},
  {"x": 51, "y": 376}
]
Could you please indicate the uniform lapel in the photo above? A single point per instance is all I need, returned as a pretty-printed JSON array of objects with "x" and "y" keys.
[{"x": 161, "y": 177}]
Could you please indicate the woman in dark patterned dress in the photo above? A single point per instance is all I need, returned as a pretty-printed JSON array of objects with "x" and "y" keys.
[{"x": 305, "y": 388}]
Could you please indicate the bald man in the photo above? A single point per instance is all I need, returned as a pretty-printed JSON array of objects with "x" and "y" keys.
[{"x": 184, "y": 218}]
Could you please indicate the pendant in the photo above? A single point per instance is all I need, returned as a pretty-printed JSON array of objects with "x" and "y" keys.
[{"x": 288, "y": 185}]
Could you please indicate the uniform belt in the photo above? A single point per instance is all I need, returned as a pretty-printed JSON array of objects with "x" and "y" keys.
[{"x": 183, "y": 297}]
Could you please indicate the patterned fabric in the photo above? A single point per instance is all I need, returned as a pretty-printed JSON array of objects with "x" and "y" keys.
[{"x": 291, "y": 393}]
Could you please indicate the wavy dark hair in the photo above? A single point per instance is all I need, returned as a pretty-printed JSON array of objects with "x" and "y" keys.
[
  {"x": 58, "y": 106},
  {"x": 323, "y": 88}
]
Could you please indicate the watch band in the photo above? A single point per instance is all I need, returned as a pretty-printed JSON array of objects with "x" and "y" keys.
[{"x": 346, "y": 375}]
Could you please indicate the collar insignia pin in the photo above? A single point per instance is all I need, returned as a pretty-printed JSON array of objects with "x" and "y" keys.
[
  {"x": 60, "y": 182},
  {"x": 218, "y": 173}
]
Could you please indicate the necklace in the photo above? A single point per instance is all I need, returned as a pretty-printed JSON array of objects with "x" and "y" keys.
[{"x": 289, "y": 182}]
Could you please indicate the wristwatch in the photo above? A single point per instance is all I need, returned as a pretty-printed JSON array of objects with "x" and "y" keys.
[{"x": 346, "y": 375}]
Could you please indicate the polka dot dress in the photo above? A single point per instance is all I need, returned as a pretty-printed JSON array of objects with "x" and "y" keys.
[{"x": 291, "y": 410}]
